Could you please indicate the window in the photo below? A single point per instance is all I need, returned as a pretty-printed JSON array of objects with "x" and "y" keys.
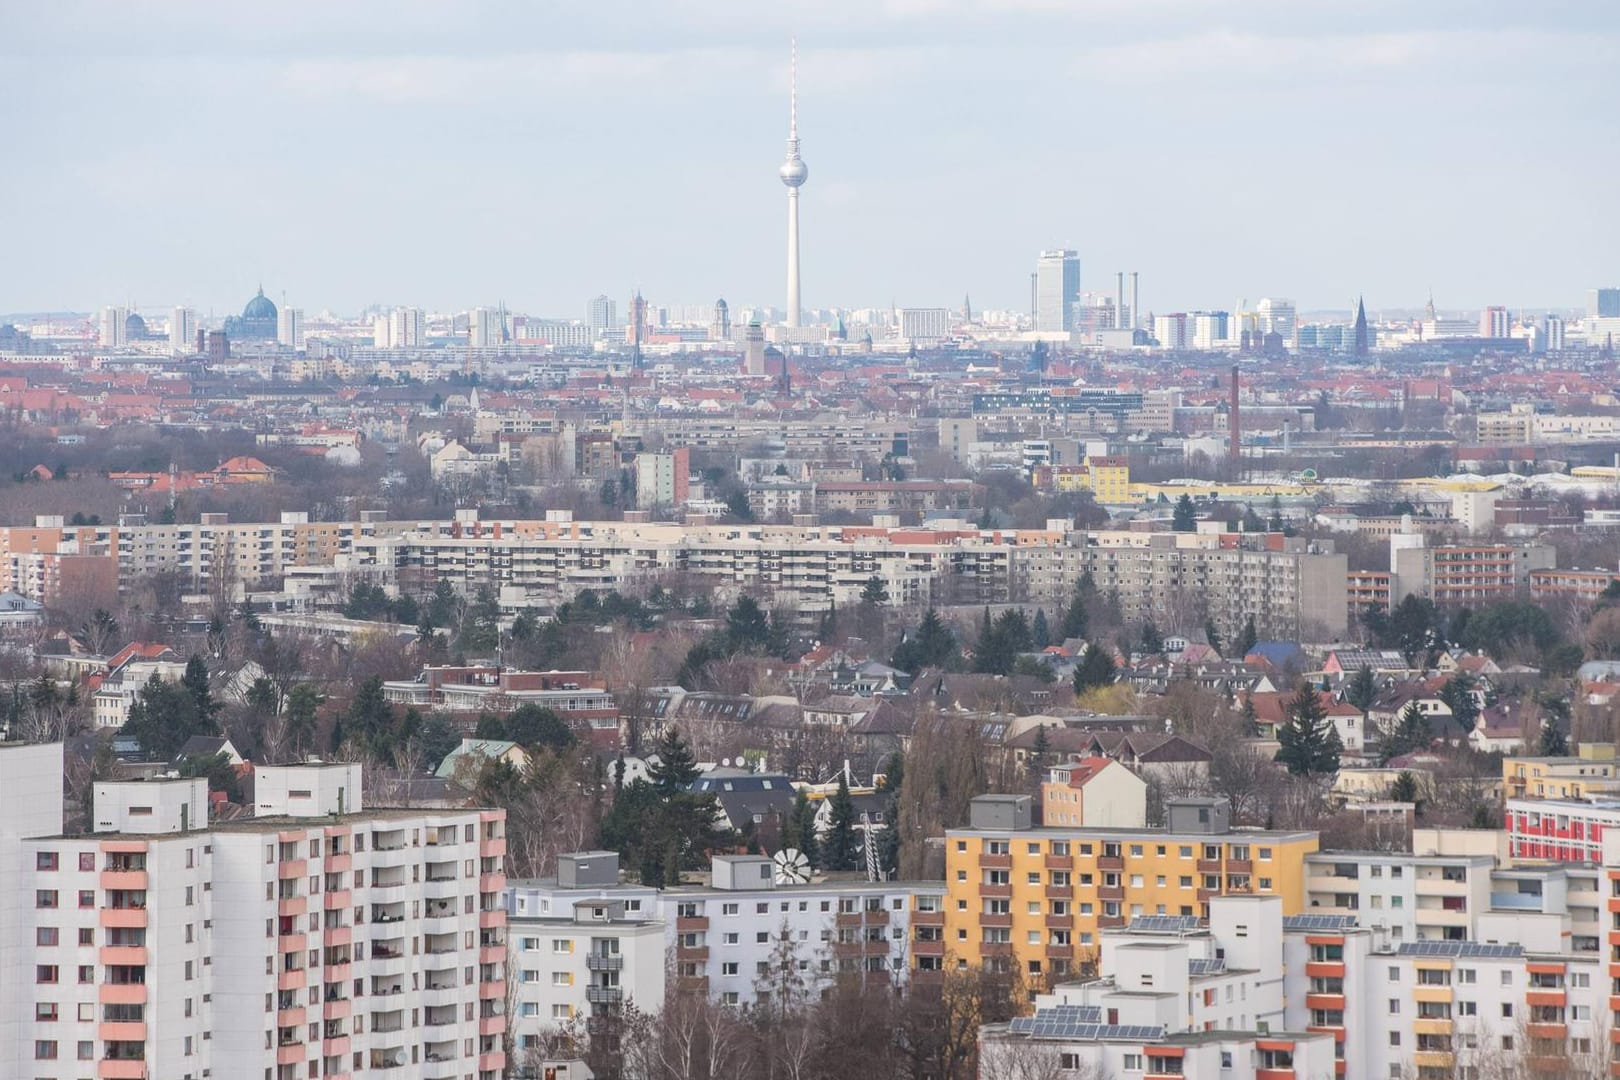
[
  {"x": 1507, "y": 1008},
  {"x": 728, "y": 968},
  {"x": 1507, "y": 978},
  {"x": 1465, "y": 975},
  {"x": 730, "y": 938},
  {"x": 45, "y": 898},
  {"x": 1467, "y": 1008},
  {"x": 562, "y": 1012},
  {"x": 562, "y": 978},
  {"x": 1394, "y": 1038},
  {"x": 1394, "y": 1006},
  {"x": 728, "y": 909},
  {"x": 1133, "y": 1063},
  {"x": 87, "y": 898},
  {"x": 45, "y": 973},
  {"x": 44, "y": 860},
  {"x": 45, "y": 1011},
  {"x": 44, "y": 1049},
  {"x": 562, "y": 945},
  {"x": 1394, "y": 973},
  {"x": 45, "y": 935}
]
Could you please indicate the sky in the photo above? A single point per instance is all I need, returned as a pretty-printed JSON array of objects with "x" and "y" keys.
[{"x": 448, "y": 155}]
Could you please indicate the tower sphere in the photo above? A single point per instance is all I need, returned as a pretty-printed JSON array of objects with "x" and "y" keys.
[{"x": 793, "y": 172}]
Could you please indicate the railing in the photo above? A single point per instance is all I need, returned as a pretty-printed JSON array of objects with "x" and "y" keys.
[{"x": 604, "y": 961}]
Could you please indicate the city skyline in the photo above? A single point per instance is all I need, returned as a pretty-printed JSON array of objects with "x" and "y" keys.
[{"x": 358, "y": 157}]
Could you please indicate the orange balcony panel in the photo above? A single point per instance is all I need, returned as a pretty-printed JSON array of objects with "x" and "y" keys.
[
  {"x": 290, "y": 980},
  {"x": 1544, "y": 997},
  {"x": 123, "y": 955},
  {"x": 492, "y": 849},
  {"x": 996, "y": 892},
  {"x": 987, "y": 918},
  {"x": 1060, "y": 892},
  {"x": 122, "y": 918},
  {"x": 691, "y": 952},
  {"x": 126, "y": 994},
  {"x": 1059, "y": 922},
  {"x": 337, "y": 1010},
  {"x": 293, "y": 905},
  {"x": 1110, "y": 892},
  {"x": 1274, "y": 1074},
  {"x": 335, "y": 973},
  {"x": 338, "y": 899},
  {"x": 1209, "y": 866},
  {"x": 488, "y": 990},
  {"x": 292, "y": 943},
  {"x": 492, "y": 1025},
  {"x": 1059, "y": 952},
  {"x": 290, "y": 1017},
  {"x": 290, "y": 1053},
  {"x": 928, "y": 918},
  {"x": 1324, "y": 1001},
  {"x": 335, "y": 936},
  {"x": 686, "y": 924},
  {"x": 292, "y": 868},
  {"x": 1614, "y": 903},
  {"x": 124, "y": 847},
  {"x": 492, "y": 883},
  {"x": 492, "y": 1062},
  {"x": 1538, "y": 968},
  {"x": 492, "y": 954},
  {"x": 989, "y": 861},
  {"x": 1060, "y": 862},
  {"x": 338, "y": 1047},
  {"x": 995, "y": 948},
  {"x": 1324, "y": 969},
  {"x": 928, "y": 948},
  {"x": 124, "y": 879},
  {"x": 489, "y": 920},
  {"x": 1110, "y": 862},
  {"x": 121, "y": 1070},
  {"x": 1547, "y": 1031},
  {"x": 1164, "y": 1076},
  {"x": 117, "y": 1031},
  {"x": 339, "y": 864},
  {"x": 1340, "y": 1067}
]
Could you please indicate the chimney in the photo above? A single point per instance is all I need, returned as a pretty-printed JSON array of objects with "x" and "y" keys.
[
  {"x": 1119, "y": 302},
  {"x": 1136, "y": 299},
  {"x": 1234, "y": 426}
]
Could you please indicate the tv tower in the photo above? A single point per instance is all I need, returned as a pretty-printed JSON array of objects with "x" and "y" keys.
[{"x": 794, "y": 173}]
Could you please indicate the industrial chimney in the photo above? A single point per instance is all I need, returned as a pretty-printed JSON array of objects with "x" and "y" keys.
[
  {"x": 1136, "y": 299},
  {"x": 1234, "y": 427}
]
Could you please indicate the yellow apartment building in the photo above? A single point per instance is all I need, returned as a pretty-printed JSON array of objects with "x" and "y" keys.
[
  {"x": 1592, "y": 773},
  {"x": 1038, "y": 896}
]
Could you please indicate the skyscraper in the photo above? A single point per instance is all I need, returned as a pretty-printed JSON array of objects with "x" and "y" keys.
[
  {"x": 1277, "y": 317},
  {"x": 114, "y": 329},
  {"x": 1057, "y": 288},
  {"x": 601, "y": 313},
  {"x": 484, "y": 328},
  {"x": 290, "y": 328},
  {"x": 794, "y": 173},
  {"x": 720, "y": 328},
  {"x": 182, "y": 331},
  {"x": 1603, "y": 303},
  {"x": 1494, "y": 322}
]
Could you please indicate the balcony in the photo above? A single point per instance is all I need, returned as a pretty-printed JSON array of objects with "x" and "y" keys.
[
  {"x": 928, "y": 918},
  {"x": 1110, "y": 892},
  {"x": 928, "y": 948},
  {"x": 1110, "y": 862},
  {"x": 1209, "y": 866},
  {"x": 1060, "y": 862},
  {"x": 133, "y": 880},
  {"x": 999, "y": 892},
  {"x": 1001, "y": 861},
  {"x": 604, "y": 995},
  {"x": 997, "y": 919},
  {"x": 596, "y": 961}
]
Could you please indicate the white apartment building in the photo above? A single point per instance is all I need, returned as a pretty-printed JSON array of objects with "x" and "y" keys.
[
  {"x": 1172, "y": 998},
  {"x": 585, "y": 943},
  {"x": 315, "y": 939},
  {"x": 182, "y": 331}
]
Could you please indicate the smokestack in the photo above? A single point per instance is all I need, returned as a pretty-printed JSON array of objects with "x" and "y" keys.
[
  {"x": 1234, "y": 426},
  {"x": 1119, "y": 302},
  {"x": 1136, "y": 299},
  {"x": 1033, "y": 312}
]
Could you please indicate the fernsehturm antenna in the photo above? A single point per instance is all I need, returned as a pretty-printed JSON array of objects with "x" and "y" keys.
[{"x": 793, "y": 173}]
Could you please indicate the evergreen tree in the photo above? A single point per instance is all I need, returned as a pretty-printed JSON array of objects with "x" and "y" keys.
[
  {"x": 748, "y": 629},
  {"x": 1075, "y": 616},
  {"x": 1361, "y": 689},
  {"x": 1152, "y": 640},
  {"x": 1553, "y": 741},
  {"x": 843, "y": 851},
  {"x": 1458, "y": 694},
  {"x": 932, "y": 644},
  {"x": 1096, "y": 668},
  {"x": 1247, "y": 640},
  {"x": 874, "y": 591},
  {"x": 1212, "y": 634},
  {"x": 1410, "y": 733},
  {"x": 438, "y": 738},
  {"x": 1309, "y": 745},
  {"x": 827, "y": 630},
  {"x": 1404, "y": 788},
  {"x": 1185, "y": 516},
  {"x": 1042, "y": 747},
  {"x": 808, "y": 840},
  {"x": 676, "y": 766},
  {"x": 1040, "y": 631},
  {"x": 1251, "y": 721}
]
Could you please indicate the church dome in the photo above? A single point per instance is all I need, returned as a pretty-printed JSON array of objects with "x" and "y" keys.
[
  {"x": 260, "y": 307},
  {"x": 135, "y": 327}
]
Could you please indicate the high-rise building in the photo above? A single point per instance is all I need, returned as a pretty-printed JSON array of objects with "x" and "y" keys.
[
  {"x": 1211, "y": 329},
  {"x": 753, "y": 349},
  {"x": 1494, "y": 322},
  {"x": 794, "y": 173},
  {"x": 720, "y": 328},
  {"x": 290, "y": 327},
  {"x": 924, "y": 324},
  {"x": 485, "y": 328},
  {"x": 1553, "y": 333},
  {"x": 114, "y": 329},
  {"x": 401, "y": 328},
  {"x": 1603, "y": 303},
  {"x": 1277, "y": 316},
  {"x": 1057, "y": 290},
  {"x": 601, "y": 313},
  {"x": 182, "y": 331},
  {"x": 314, "y": 938},
  {"x": 1171, "y": 330}
]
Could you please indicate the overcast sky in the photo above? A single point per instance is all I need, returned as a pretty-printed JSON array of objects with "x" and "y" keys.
[{"x": 453, "y": 154}]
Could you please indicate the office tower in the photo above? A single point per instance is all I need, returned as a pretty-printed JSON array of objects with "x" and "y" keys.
[
  {"x": 794, "y": 173},
  {"x": 1553, "y": 333},
  {"x": 1057, "y": 287},
  {"x": 720, "y": 328},
  {"x": 402, "y": 328},
  {"x": 601, "y": 313},
  {"x": 1363, "y": 340},
  {"x": 1210, "y": 329},
  {"x": 1171, "y": 331},
  {"x": 1277, "y": 317},
  {"x": 290, "y": 327},
  {"x": 313, "y": 938},
  {"x": 1494, "y": 322},
  {"x": 484, "y": 328},
  {"x": 114, "y": 329},
  {"x": 924, "y": 324},
  {"x": 182, "y": 331},
  {"x": 1603, "y": 303}
]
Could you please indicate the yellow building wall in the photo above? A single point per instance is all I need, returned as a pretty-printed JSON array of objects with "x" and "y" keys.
[{"x": 1149, "y": 870}]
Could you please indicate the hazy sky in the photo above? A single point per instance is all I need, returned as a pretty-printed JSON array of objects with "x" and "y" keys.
[{"x": 453, "y": 154}]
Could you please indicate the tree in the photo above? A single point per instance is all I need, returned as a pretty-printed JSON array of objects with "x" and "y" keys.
[
  {"x": 97, "y": 633},
  {"x": 218, "y": 769},
  {"x": 874, "y": 592},
  {"x": 1246, "y": 640},
  {"x": 748, "y": 629},
  {"x": 531, "y": 725},
  {"x": 1553, "y": 741},
  {"x": 676, "y": 766},
  {"x": 1000, "y": 642},
  {"x": 1096, "y": 668},
  {"x": 1040, "y": 631},
  {"x": 438, "y": 738},
  {"x": 1309, "y": 745},
  {"x": 1152, "y": 640},
  {"x": 1075, "y": 620},
  {"x": 1458, "y": 694},
  {"x": 842, "y": 845},
  {"x": 165, "y": 714},
  {"x": 1362, "y": 689},
  {"x": 1185, "y": 516},
  {"x": 1410, "y": 733},
  {"x": 932, "y": 644},
  {"x": 1404, "y": 788}
]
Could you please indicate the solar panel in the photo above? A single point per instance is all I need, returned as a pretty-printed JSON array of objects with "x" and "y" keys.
[
  {"x": 1163, "y": 924},
  {"x": 1318, "y": 922},
  {"x": 1206, "y": 967},
  {"x": 1478, "y": 949}
]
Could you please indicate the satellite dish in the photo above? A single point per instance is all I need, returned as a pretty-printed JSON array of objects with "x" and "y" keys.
[
  {"x": 725, "y": 762},
  {"x": 792, "y": 868}
]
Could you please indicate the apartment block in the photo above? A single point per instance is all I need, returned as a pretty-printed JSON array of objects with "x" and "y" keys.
[
  {"x": 1467, "y": 573},
  {"x": 316, "y": 938},
  {"x": 1040, "y": 896}
]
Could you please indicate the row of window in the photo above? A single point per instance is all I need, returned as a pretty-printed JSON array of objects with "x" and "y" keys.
[{"x": 1114, "y": 850}]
